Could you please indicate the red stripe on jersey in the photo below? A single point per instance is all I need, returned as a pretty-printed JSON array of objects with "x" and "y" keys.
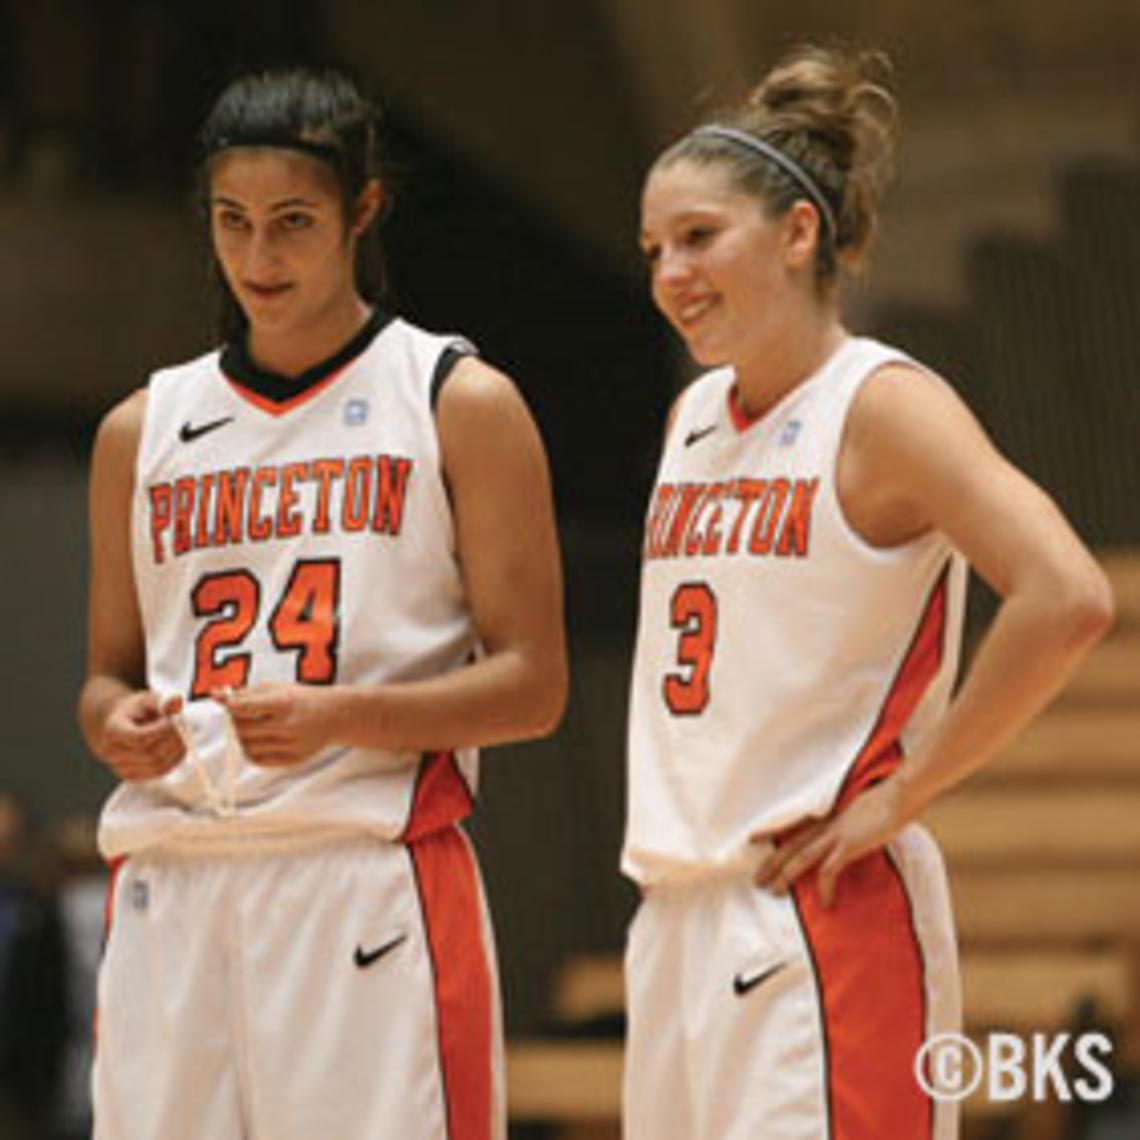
[
  {"x": 450, "y": 898},
  {"x": 881, "y": 755},
  {"x": 870, "y": 974},
  {"x": 275, "y": 408},
  {"x": 441, "y": 798}
]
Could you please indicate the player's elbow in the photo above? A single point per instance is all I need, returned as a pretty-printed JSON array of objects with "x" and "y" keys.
[
  {"x": 547, "y": 698},
  {"x": 1085, "y": 606}
]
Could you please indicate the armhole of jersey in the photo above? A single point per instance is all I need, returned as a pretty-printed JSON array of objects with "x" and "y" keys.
[
  {"x": 448, "y": 359},
  {"x": 846, "y": 526},
  {"x": 444, "y": 367},
  {"x": 144, "y": 420}
]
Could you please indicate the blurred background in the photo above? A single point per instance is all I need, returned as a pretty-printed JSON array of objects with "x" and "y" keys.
[{"x": 518, "y": 132}]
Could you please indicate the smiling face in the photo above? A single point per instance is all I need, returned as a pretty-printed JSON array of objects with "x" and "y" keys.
[
  {"x": 284, "y": 245},
  {"x": 725, "y": 274}
]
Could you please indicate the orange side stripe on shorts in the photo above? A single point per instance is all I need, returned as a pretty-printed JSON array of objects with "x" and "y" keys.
[
  {"x": 450, "y": 899},
  {"x": 870, "y": 974}
]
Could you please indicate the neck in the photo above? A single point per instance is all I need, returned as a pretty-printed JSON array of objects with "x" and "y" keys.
[
  {"x": 292, "y": 351},
  {"x": 772, "y": 370}
]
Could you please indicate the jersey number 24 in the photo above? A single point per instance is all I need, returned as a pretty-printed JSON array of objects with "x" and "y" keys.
[{"x": 305, "y": 621}]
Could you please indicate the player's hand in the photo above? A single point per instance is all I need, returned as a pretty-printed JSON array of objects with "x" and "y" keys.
[
  {"x": 279, "y": 725},
  {"x": 138, "y": 739},
  {"x": 868, "y": 823}
]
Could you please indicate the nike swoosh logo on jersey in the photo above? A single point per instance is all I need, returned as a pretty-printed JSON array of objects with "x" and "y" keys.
[
  {"x": 190, "y": 432},
  {"x": 746, "y": 983},
  {"x": 697, "y": 434},
  {"x": 364, "y": 958}
]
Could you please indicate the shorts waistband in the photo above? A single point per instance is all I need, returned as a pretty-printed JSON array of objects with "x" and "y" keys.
[
  {"x": 244, "y": 843},
  {"x": 694, "y": 876}
]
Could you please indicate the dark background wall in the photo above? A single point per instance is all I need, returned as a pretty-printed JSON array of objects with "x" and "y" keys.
[{"x": 1009, "y": 259}]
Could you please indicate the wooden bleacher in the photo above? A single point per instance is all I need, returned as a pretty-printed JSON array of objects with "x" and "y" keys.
[{"x": 1043, "y": 849}]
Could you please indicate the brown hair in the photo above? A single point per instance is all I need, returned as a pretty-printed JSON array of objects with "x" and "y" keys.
[{"x": 832, "y": 113}]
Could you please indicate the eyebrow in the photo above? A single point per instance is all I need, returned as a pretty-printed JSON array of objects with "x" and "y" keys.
[
  {"x": 286, "y": 204},
  {"x": 695, "y": 213}
]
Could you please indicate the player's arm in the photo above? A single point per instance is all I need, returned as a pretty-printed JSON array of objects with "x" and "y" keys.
[
  {"x": 496, "y": 471},
  {"x": 124, "y": 725},
  {"x": 916, "y": 459}
]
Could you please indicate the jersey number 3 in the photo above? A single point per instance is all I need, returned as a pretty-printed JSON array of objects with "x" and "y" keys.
[
  {"x": 692, "y": 611},
  {"x": 305, "y": 621}
]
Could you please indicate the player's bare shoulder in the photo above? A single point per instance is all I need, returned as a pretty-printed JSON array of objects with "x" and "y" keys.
[
  {"x": 118, "y": 435},
  {"x": 903, "y": 401},
  {"x": 481, "y": 412},
  {"x": 126, "y": 417},
  {"x": 475, "y": 388}
]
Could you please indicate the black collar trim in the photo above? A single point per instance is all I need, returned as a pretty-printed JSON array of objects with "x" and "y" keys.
[{"x": 239, "y": 367}]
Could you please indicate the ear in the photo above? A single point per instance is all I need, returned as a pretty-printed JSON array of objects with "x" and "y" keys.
[
  {"x": 801, "y": 234},
  {"x": 368, "y": 204}
]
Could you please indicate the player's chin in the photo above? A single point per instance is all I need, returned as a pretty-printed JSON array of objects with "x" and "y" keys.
[
  {"x": 270, "y": 310},
  {"x": 708, "y": 358},
  {"x": 703, "y": 349}
]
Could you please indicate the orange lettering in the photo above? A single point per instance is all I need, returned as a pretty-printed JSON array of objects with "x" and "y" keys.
[
  {"x": 228, "y": 510},
  {"x": 690, "y": 495},
  {"x": 288, "y": 520},
  {"x": 797, "y": 523},
  {"x": 159, "y": 517},
  {"x": 183, "y": 509},
  {"x": 325, "y": 471},
  {"x": 260, "y": 527},
  {"x": 713, "y": 535},
  {"x": 201, "y": 527},
  {"x": 656, "y": 523},
  {"x": 747, "y": 491},
  {"x": 391, "y": 483},
  {"x": 768, "y": 516},
  {"x": 357, "y": 492}
]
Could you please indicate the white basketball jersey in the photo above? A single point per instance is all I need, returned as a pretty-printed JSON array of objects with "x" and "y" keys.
[
  {"x": 300, "y": 532},
  {"x": 781, "y": 660}
]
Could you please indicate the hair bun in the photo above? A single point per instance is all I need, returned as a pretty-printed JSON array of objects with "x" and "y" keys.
[{"x": 833, "y": 111}]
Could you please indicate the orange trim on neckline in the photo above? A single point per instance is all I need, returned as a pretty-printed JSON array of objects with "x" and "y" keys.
[
  {"x": 741, "y": 420},
  {"x": 273, "y": 407}
]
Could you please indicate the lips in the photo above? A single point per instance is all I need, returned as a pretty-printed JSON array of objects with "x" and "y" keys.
[
  {"x": 689, "y": 312},
  {"x": 266, "y": 291}
]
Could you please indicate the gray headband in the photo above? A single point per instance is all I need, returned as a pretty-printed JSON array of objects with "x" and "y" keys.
[{"x": 788, "y": 165}]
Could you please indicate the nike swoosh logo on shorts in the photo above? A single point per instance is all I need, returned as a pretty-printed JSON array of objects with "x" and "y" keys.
[
  {"x": 745, "y": 983},
  {"x": 697, "y": 434},
  {"x": 364, "y": 958},
  {"x": 190, "y": 432}
]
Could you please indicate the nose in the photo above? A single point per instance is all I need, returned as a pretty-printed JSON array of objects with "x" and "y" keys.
[
  {"x": 259, "y": 253},
  {"x": 672, "y": 268},
  {"x": 672, "y": 273}
]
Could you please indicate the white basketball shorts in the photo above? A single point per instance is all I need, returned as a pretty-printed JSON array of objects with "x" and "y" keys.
[
  {"x": 347, "y": 990},
  {"x": 759, "y": 1017}
]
